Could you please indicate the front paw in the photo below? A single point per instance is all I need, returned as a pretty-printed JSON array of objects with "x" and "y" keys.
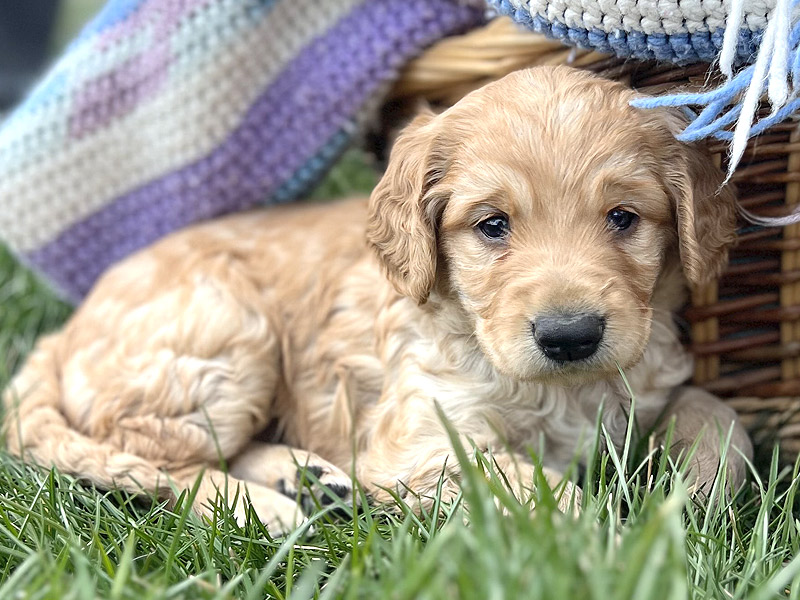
[
  {"x": 569, "y": 497},
  {"x": 521, "y": 479},
  {"x": 704, "y": 471},
  {"x": 699, "y": 425},
  {"x": 319, "y": 485}
]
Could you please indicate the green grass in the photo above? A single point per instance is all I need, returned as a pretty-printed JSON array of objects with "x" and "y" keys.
[{"x": 638, "y": 534}]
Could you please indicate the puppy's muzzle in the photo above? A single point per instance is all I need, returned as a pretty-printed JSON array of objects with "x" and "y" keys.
[{"x": 568, "y": 337}]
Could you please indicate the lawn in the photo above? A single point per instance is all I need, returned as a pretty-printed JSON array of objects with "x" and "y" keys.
[{"x": 638, "y": 533}]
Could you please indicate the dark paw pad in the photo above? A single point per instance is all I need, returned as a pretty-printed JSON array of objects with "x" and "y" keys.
[
  {"x": 334, "y": 489},
  {"x": 287, "y": 490},
  {"x": 314, "y": 470}
]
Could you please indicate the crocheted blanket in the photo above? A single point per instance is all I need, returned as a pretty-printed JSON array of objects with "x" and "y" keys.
[
  {"x": 679, "y": 31},
  {"x": 166, "y": 112}
]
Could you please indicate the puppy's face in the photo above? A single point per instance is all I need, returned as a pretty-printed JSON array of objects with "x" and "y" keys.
[{"x": 551, "y": 207}]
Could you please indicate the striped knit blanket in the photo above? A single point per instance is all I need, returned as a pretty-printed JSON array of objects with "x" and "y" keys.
[{"x": 166, "y": 112}]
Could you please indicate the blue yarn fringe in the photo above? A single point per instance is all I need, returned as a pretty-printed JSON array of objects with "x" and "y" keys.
[{"x": 721, "y": 105}]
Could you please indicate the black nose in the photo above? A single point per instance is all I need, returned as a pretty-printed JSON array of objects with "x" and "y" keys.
[{"x": 568, "y": 336}]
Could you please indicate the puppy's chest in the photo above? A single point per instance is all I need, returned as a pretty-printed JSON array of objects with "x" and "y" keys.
[{"x": 498, "y": 410}]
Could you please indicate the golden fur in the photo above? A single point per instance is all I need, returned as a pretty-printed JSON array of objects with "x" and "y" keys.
[{"x": 346, "y": 342}]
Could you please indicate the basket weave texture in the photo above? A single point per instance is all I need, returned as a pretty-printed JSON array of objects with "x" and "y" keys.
[{"x": 744, "y": 329}]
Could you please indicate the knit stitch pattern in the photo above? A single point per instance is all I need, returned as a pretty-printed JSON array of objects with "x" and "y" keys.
[
  {"x": 163, "y": 113},
  {"x": 678, "y": 31}
]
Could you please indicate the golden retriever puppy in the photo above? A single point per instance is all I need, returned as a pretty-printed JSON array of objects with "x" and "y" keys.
[{"x": 520, "y": 246}]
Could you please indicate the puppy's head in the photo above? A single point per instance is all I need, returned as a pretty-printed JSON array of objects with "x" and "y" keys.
[{"x": 547, "y": 207}]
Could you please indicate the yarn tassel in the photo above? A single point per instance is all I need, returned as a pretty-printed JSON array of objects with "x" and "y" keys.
[
  {"x": 776, "y": 72},
  {"x": 732, "y": 26}
]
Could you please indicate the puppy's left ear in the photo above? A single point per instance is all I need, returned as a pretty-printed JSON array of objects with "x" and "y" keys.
[{"x": 705, "y": 212}]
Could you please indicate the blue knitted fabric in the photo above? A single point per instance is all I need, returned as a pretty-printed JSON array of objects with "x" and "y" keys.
[{"x": 682, "y": 42}]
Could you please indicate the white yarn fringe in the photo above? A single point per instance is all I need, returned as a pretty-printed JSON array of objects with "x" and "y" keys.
[{"x": 771, "y": 70}]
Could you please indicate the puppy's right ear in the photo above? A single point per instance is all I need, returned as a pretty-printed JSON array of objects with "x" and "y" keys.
[{"x": 403, "y": 213}]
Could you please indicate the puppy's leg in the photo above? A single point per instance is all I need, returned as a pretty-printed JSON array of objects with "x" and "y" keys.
[
  {"x": 422, "y": 465},
  {"x": 277, "y": 512},
  {"x": 521, "y": 476},
  {"x": 286, "y": 470},
  {"x": 129, "y": 396},
  {"x": 42, "y": 434},
  {"x": 701, "y": 416}
]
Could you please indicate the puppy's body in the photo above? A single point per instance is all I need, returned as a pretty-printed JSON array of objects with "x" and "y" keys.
[{"x": 189, "y": 349}]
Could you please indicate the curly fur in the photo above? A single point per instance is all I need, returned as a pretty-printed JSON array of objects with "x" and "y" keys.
[{"x": 338, "y": 328}]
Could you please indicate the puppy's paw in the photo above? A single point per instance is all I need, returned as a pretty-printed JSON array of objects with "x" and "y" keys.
[
  {"x": 319, "y": 485},
  {"x": 704, "y": 474},
  {"x": 569, "y": 497},
  {"x": 522, "y": 476},
  {"x": 279, "y": 514},
  {"x": 297, "y": 474},
  {"x": 276, "y": 512}
]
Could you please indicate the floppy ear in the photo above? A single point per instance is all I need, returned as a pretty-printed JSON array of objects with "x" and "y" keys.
[
  {"x": 705, "y": 213},
  {"x": 705, "y": 210},
  {"x": 401, "y": 225}
]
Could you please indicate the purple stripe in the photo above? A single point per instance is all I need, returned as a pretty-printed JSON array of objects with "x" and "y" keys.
[
  {"x": 316, "y": 95},
  {"x": 116, "y": 93}
]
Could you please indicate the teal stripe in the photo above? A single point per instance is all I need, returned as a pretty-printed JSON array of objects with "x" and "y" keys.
[{"x": 306, "y": 177}]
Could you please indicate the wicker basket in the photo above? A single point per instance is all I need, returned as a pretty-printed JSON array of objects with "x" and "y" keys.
[{"x": 744, "y": 330}]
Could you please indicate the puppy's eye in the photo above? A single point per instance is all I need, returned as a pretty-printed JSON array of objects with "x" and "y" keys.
[
  {"x": 620, "y": 219},
  {"x": 495, "y": 227}
]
